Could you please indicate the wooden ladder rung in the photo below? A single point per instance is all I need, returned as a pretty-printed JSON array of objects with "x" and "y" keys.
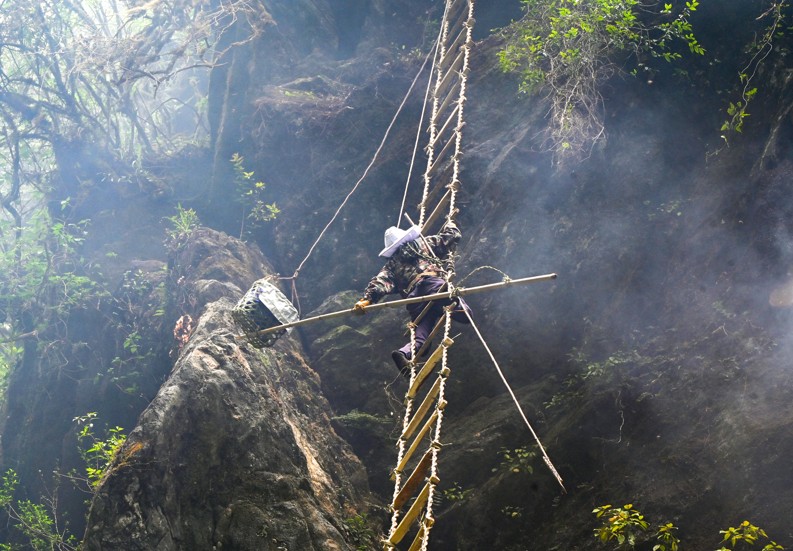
[
  {"x": 428, "y": 366},
  {"x": 454, "y": 9},
  {"x": 418, "y": 540},
  {"x": 424, "y": 312},
  {"x": 452, "y": 71},
  {"x": 413, "y": 512},
  {"x": 417, "y": 440},
  {"x": 439, "y": 209},
  {"x": 461, "y": 36},
  {"x": 441, "y": 158},
  {"x": 456, "y": 19},
  {"x": 422, "y": 410},
  {"x": 426, "y": 524},
  {"x": 454, "y": 94},
  {"x": 442, "y": 132},
  {"x": 413, "y": 481},
  {"x": 434, "y": 192}
]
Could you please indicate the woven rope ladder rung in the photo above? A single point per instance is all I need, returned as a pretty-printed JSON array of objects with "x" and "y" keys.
[
  {"x": 422, "y": 410},
  {"x": 414, "y": 480},
  {"x": 428, "y": 366}
]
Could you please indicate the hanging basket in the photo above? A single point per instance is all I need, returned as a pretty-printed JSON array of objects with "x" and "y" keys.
[{"x": 262, "y": 307}]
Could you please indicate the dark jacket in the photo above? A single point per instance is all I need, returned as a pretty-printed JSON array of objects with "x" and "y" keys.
[{"x": 413, "y": 259}]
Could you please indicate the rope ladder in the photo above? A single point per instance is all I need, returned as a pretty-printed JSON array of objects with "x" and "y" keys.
[{"x": 416, "y": 474}]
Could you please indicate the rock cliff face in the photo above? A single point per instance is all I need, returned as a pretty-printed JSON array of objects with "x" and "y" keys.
[
  {"x": 236, "y": 451},
  {"x": 654, "y": 368},
  {"x": 630, "y": 363}
]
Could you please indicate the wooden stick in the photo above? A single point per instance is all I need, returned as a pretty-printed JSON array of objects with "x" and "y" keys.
[{"x": 402, "y": 302}]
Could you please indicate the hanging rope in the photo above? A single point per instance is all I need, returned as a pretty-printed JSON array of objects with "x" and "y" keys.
[
  {"x": 360, "y": 180},
  {"x": 421, "y": 120},
  {"x": 504, "y": 276},
  {"x": 436, "y": 440},
  {"x": 517, "y": 404},
  {"x": 443, "y": 72}
]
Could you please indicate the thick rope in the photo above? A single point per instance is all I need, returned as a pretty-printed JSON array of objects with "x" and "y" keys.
[
  {"x": 435, "y": 106},
  {"x": 421, "y": 120},
  {"x": 485, "y": 267},
  {"x": 517, "y": 404},
  {"x": 365, "y": 172},
  {"x": 458, "y": 134},
  {"x": 435, "y": 445},
  {"x": 436, "y": 440}
]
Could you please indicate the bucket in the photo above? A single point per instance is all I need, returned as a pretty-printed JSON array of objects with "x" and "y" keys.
[{"x": 262, "y": 307}]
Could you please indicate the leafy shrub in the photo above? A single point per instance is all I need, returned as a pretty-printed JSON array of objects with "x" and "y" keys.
[
  {"x": 627, "y": 527},
  {"x": 568, "y": 48},
  {"x": 98, "y": 453},
  {"x": 33, "y": 520},
  {"x": 517, "y": 460},
  {"x": 250, "y": 195},
  {"x": 181, "y": 225},
  {"x": 360, "y": 532}
]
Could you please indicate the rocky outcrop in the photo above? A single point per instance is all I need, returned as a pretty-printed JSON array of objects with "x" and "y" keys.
[
  {"x": 653, "y": 368},
  {"x": 236, "y": 451}
]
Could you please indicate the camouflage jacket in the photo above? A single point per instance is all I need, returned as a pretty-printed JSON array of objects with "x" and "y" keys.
[{"x": 412, "y": 260}]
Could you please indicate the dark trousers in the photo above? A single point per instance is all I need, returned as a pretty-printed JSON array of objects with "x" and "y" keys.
[{"x": 429, "y": 285}]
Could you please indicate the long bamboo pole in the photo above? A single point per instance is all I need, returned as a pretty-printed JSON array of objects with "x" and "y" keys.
[{"x": 402, "y": 302}]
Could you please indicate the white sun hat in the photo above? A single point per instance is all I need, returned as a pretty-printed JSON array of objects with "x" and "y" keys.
[{"x": 395, "y": 237}]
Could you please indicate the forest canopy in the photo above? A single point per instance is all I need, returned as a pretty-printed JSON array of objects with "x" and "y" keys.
[{"x": 90, "y": 94}]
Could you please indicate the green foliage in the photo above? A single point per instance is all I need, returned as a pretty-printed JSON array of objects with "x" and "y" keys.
[
  {"x": 44, "y": 277},
  {"x": 109, "y": 73},
  {"x": 181, "y": 225},
  {"x": 34, "y": 521},
  {"x": 762, "y": 45},
  {"x": 627, "y": 527},
  {"x": 667, "y": 540},
  {"x": 250, "y": 195},
  {"x": 100, "y": 82},
  {"x": 123, "y": 370},
  {"x": 594, "y": 372},
  {"x": 37, "y": 522},
  {"x": 568, "y": 48},
  {"x": 456, "y": 493},
  {"x": 621, "y": 524},
  {"x": 132, "y": 343},
  {"x": 10, "y": 483},
  {"x": 139, "y": 307},
  {"x": 37, "y": 525},
  {"x": 360, "y": 532},
  {"x": 98, "y": 453},
  {"x": 517, "y": 461},
  {"x": 746, "y": 534},
  {"x": 9, "y": 353},
  {"x": 737, "y": 113},
  {"x": 42, "y": 266}
]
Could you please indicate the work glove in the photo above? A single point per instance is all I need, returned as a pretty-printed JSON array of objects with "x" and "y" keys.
[{"x": 360, "y": 306}]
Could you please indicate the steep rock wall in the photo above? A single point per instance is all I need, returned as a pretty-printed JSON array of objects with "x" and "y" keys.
[
  {"x": 236, "y": 450},
  {"x": 653, "y": 368},
  {"x": 643, "y": 366}
]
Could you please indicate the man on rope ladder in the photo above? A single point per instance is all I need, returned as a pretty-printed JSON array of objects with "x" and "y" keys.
[{"x": 417, "y": 266}]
